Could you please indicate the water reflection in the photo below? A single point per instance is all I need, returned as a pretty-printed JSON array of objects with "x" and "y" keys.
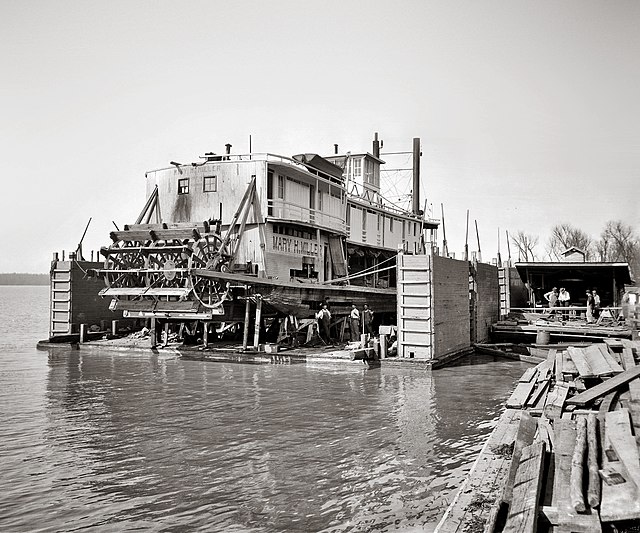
[
  {"x": 111, "y": 441},
  {"x": 162, "y": 443}
]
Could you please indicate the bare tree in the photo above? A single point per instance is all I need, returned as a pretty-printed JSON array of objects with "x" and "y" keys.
[
  {"x": 564, "y": 236},
  {"x": 526, "y": 244},
  {"x": 619, "y": 242}
]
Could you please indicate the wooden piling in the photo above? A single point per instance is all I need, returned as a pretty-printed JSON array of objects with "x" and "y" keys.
[
  {"x": 245, "y": 336},
  {"x": 256, "y": 329},
  {"x": 114, "y": 327},
  {"x": 153, "y": 342},
  {"x": 83, "y": 333}
]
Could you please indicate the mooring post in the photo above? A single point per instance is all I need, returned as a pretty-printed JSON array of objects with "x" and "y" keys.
[
  {"x": 245, "y": 336},
  {"x": 152, "y": 333},
  {"x": 383, "y": 346},
  {"x": 256, "y": 329},
  {"x": 205, "y": 336},
  {"x": 165, "y": 333},
  {"x": 83, "y": 333},
  {"x": 114, "y": 327}
]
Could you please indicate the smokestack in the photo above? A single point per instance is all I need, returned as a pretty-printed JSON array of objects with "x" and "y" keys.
[
  {"x": 416, "y": 175},
  {"x": 335, "y": 149},
  {"x": 228, "y": 147},
  {"x": 376, "y": 145}
]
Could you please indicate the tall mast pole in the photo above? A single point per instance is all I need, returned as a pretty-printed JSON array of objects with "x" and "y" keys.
[
  {"x": 416, "y": 175},
  {"x": 445, "y": 250},
  {"x": 478, "y": 238},
  {"x": 466, "y": 240}
]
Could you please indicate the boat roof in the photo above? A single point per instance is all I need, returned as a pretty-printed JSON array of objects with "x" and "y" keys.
[{"x": 620, "y": 270}]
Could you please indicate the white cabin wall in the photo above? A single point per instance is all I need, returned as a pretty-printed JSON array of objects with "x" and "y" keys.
[{"x": 233, "y": 178}]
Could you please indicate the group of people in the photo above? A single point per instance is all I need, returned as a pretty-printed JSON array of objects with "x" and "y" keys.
[
  {"x": 563, "y": 299},
  {"x": 355, "y": 319}
]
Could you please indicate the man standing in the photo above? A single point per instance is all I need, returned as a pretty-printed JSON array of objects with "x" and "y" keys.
[
  {"x": 552, "y": 298},
  {"x": 367, "y": 319},
  {"x": 354, "y": 324},
  {"x": 563, "y": 298},
  {"x": 596, "y": 304},
  {"x": 324, "y": 319}
]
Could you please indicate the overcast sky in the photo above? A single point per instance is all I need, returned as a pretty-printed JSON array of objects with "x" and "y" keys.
[{"x": 528, "y": 112}]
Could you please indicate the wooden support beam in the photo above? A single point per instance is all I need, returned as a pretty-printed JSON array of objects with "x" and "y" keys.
[
  {"x": 524, "y": 437},
  {"x": 523, "y": 511},
  {"x": 620, "y": 494},
  {"x": 247, "y": 318},
  {"x": 256, "y": 329},
  {"x": 603, "y": 388}
]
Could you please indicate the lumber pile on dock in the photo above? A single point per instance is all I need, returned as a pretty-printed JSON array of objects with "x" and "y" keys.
[{"x": 572, "y": 430}]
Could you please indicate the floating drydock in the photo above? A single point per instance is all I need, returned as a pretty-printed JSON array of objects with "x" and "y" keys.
[{"x": 564, "y": 456}]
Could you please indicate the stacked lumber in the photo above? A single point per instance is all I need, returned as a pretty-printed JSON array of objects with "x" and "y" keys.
[{"x": 575, "y": 464}]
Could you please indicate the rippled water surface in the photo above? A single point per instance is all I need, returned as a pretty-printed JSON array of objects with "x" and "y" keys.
[{"x": 134, "y": 442}]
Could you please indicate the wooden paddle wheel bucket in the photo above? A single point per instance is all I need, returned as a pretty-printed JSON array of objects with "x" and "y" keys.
[{"x": 149, "y": 266}]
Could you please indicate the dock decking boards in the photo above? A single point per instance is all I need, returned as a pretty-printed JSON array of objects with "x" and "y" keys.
[{"x": 485, "y": 482}]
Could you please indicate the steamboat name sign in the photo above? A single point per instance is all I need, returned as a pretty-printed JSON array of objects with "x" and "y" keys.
[{"x": 294, "y": 245}]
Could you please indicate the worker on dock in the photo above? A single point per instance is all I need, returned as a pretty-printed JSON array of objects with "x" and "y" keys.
[
  {"x": 596, "y": 304},
  {"x": 590, "y": 307},
  {"x": 563, "y": 299},
  {"x": 367, "y": 320},
  {"x": 324, "y": 320},
  {"x": 552, "y": 298},
  {"x": 354, "y": 323}
]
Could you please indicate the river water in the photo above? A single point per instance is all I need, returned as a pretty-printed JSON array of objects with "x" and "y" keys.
[{"x": 138, "y": 442}]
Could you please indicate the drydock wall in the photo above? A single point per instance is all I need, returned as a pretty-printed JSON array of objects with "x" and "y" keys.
[
  {"x": 450, "y": 305},
  {"x": 74, "y": 298},
  {"x": 487, "y": 300}
]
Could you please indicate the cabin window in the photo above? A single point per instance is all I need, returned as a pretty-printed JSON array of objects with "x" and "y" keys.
[
  {"x": 364, "y": 220},
  {"x": 390, "y": 224},
  {"x": 368, "y": 172},
  {"x": 319, "y": 200},
  {"x": 183, "y": 186},
  {"x": 357, "y": 168},
  {"x": 379, "y": 217},
  {"x": 281, "y": 187},
  {"x": 210, "y": 184}
]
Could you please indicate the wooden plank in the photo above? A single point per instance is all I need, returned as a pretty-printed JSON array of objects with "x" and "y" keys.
[
  {"x": 620, "y": 495},
  {"x": 615, "y": 366},
  {"x": 523, "y": 511},
  {"x": 568, "y": 366},
  {"x": 603, "y": 388},
  {"x": 485, "y": 481},
  {"x": 577, "y": 356},
  {"x": 596, "y": 361},
  {"x": 524, "y": 437},
  {"x": 555, "y": 401},
  {"x": 521, "y": 394},
  {"x": 529, "y": 374},
  {"x": 539, "y": 395},
  {"x": 613, "y": 343},
  {"x": 559, "y": 367},
  {"x": 627, "y": 358}
]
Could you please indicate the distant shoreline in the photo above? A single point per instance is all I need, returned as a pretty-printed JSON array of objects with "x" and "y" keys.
[{"x": 19, "y": 278}]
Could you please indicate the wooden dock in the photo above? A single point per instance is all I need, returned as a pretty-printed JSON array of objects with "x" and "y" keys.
[{"x": 564, "y": 456}]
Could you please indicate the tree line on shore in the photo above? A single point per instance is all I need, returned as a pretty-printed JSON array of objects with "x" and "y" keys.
[
  {"x": 21, "y": 278},
  {"x": 617, "y": 242}
]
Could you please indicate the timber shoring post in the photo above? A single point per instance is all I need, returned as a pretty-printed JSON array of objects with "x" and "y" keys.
[
  {"x": 83, "y": 333},
  {"x": 152, "y": 334},
  {"x": 256, "y": 329},
  {"x": 114, "y": 327},
  {"x": 245, "y": 335}
]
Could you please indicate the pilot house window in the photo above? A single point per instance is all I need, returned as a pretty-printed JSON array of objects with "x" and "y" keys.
[
  {"x": 183, "y": 186},
  {"x": 210, "y": 184}
]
